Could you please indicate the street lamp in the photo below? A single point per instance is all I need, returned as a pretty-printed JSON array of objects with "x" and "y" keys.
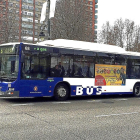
[{"x": 42, "y": 35}]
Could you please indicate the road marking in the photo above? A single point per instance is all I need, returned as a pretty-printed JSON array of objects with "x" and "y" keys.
[
  {"x": 22, "y": 104},
  {"x": 120, "y": 99},
  {"x": 61, "y": 102},
  {"x": 91, "y": 101},
  {"x": 116, "y": 114}
]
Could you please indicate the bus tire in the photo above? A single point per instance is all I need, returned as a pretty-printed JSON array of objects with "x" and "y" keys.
[
  {"x": 61, "y": 92},
  {"x": 136, "y": 90}
]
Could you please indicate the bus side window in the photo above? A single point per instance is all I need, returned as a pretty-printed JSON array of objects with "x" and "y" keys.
[
  {"x": 35, "y": 67},
  {"x": 120, "y": 59},
  {"x": 133, "y": 67},
  {"x": 105, "y": 58},
  {"x": 69, "y": 67},
  {"x": 58, "y": 66},
  {"x": 54, "y": 66},
  {"x": 78, "y": 65},
  {"x": 84, "y": 66}
]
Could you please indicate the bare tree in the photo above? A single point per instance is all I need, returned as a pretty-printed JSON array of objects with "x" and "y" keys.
[
  {"x": 72, "y": 21},
  {"x": 129, "y": 33},
  {"x": 119, "y": 27},
  {"x": 123, "y": 33},
  {"x": 9, "y": 26},
  {"x": 3, "y": 11},
  {"x": 106, "y": 34},
  {"x": 136, "y": 41}
]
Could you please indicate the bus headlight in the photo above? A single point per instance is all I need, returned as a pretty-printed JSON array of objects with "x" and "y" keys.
[{"x": 11, "y": 89}]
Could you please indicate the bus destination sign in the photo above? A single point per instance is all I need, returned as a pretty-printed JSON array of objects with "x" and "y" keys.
[
  {"x": 35, "y": 48},
  {"x": 7, "y": 50},
  {"x": 40, "y": 49}
]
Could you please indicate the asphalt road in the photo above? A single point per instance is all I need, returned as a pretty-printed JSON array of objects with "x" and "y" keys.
[{"x": 94, "y": 118}]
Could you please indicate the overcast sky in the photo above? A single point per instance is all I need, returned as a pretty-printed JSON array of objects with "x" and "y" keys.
[{"x": 110, "y": 10}]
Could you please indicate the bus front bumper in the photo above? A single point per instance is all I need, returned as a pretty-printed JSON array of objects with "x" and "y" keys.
[{"x": 9, "y": 94}]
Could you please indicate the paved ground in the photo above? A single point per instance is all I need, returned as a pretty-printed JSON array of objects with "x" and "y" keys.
[{"x": 94, "y": 118}]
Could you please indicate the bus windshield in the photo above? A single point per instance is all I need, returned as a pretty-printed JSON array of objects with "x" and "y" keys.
[{"x": 9, "y": 64}]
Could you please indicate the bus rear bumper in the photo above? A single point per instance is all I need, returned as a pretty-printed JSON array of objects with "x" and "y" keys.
[{"x": 9, "y": 94}]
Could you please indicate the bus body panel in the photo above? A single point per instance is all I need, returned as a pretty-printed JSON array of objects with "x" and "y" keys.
[
  {"x": 31, "y": 88},
  {"x": 38, "y": 88},
  {"x": 10, "y": 89},
  {"x": 86, "y": 86}
]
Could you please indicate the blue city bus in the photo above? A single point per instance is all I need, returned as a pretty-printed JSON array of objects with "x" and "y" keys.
[{"x": 62, "y": 68}]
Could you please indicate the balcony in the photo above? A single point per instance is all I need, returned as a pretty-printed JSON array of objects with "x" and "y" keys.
[
  {"x": 96, "y": 11},
  {"x": 96, "y": 1},
  {"x": 96, "y": 17},
  {"x": 96, "y": 6}
]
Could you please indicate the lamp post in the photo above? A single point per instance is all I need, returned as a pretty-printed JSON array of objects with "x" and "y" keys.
[
  {"x": 49, "y": 29},
  {"x": 42, "y": 35}
]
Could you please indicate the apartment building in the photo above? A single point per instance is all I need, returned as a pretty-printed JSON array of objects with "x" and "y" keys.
[
  {"x": 25, "y": 14},
  {"x": 93, "y": 8},
  {"x": 3, "y": 18}
]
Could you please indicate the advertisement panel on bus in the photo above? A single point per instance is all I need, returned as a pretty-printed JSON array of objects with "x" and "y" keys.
[{"x": 110, "y": 75}]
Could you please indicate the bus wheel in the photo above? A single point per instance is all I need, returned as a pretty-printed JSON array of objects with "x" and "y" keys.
[
  {"x": 61, "y": 92},
  {"x": 136, "y": 90}
]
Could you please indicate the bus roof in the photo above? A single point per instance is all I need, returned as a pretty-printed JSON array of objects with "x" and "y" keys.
[
  {"x": 11, "y": 43},
  {"x": 74, "y": 44},
  {"x": 82, "y": 45}
]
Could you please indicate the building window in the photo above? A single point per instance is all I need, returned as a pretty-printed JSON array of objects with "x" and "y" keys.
[
  {"x": 17, "y": 5},
  {"x": 36, "y": 15},
  {"x": 36, "y": 27},
  {"x": 36, "y": 9},
  {"x": 36, "y": 21},
  {"x": 95, "y": 21},
  {"x": 91, "y": 3},
  {"x": 24, "y": 12},
  {"x": 24, "y": 31},
  {"x": 95, "y": 32},
  {"x": 30, "y": 1},
  {"x": 96, "y": 11},
  {"x": 96, "y": 16},
  {"x": 27, "y": 26},
  {"x": 10, "y": 4},
  {"x": 16, "y": 37},
  {"x": 96, "y": 1},
  {"x": 17, "y": 18},
  {"x": 30, "y": 7},
  {"x": 30, "y": 32},
  {"x": 96, "y": 6},
  {"x": 24, "y": 19},
  {"x": 95, "y": 27},
  {"x": 30, "y": 14}
]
